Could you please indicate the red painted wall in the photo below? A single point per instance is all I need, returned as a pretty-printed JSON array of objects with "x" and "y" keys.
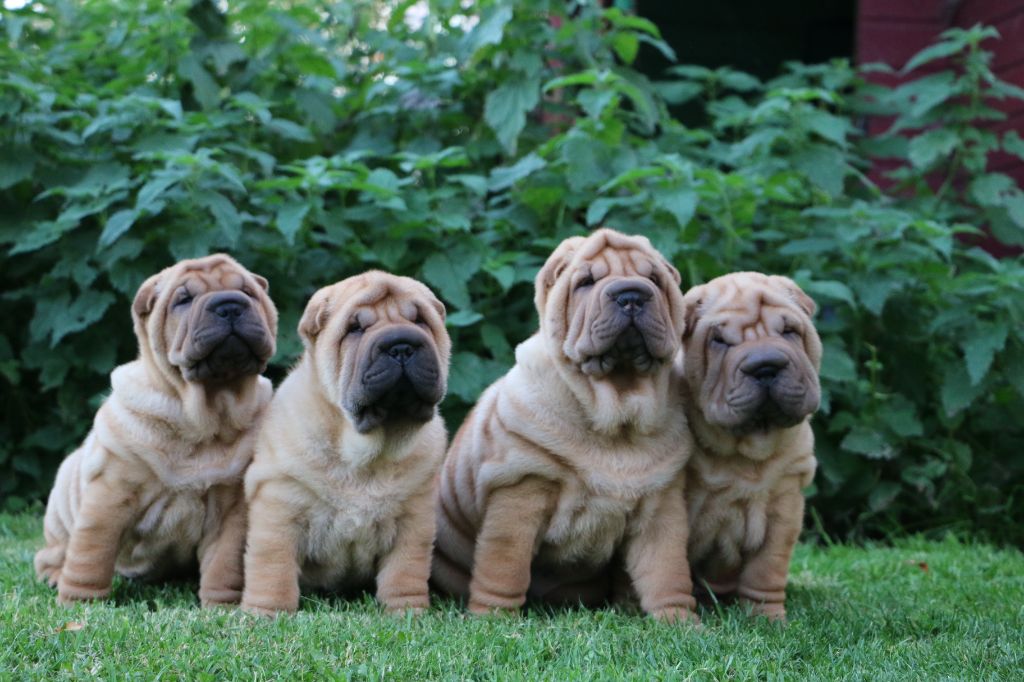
[{"x": 892, "y": 31}]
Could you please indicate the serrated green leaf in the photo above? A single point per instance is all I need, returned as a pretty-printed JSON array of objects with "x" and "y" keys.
[
  {"x": 470, "y": 375},
  {"x": 505, "y": 176},
  {"x": 289, "y": 218},
  {"x": 992, "y": 189},
  {"x": 505, "y": 109},
  {"x": 117, "y": 225},
  {"x": 626, "y": 45},
  {"x": 980, "y": 345},
  {"x": 450, "y": 271},
  {"x": 868, "y": 442},
  {"x": 206, "y": 90},
  {"x": 681, "y": 203},
  {"x": 489, "y": 31},
  {"x": 957, "y": 391},
  {"x": 824, "y": 166},
  {"x": 883, "y": 495},
  {"x": 836, "y": 363},
  {"x": 926, "y": 148},
  {"x": 16, "y": 165}
]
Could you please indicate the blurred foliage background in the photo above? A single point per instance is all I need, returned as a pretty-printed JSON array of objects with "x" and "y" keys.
[{"x": 314, "y": 140}]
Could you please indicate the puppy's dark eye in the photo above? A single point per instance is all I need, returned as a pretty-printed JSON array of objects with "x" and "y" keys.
[
  {"x": 420, "y": 321},
  {"x": 183, "y": 300},
  {"x": 587, "y": 281},
  {"x": 791, "y": 332},
  {"x": 249, "y": 292},
  {"x": 655, "y": 279},
  {"x": 718, "y": 340},
  {"x": 354, "y": 328}
]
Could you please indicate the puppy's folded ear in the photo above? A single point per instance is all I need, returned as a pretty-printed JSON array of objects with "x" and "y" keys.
[
  {"x": 555, "y": 265},
  {"x": 314, "y": 319},
  {"x": 797, "y": 294},
  {"x": 145, "y": 298},
  {"x": 262, "y": 281},
  {"x": 693, "y": 302}
]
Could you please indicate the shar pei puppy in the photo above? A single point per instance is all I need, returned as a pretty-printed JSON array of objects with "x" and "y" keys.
[
  {"x": 577, "y": 455},
  {"x": 750, "y": 368},
  {"x": 156, "y": 488},
  {"x": 341, "y": 489}
]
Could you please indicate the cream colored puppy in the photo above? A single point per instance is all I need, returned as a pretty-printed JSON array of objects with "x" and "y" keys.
[
  {"x": 157, "y": 484},
  {"x": 750, "y": 366},
  {"x": 342, "y": 485},
  {"x": 577, "y": 453}
]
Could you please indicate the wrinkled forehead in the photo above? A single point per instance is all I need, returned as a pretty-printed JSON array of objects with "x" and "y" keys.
[
  {"x": 386, "y": 298},
  {"x": 745, "y": 304},
  {"x": 211, "y": 275},
  {"x": 602, "y": 259}
]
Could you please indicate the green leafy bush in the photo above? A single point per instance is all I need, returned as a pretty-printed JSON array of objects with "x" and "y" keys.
[{"x": 315, "y": 140}]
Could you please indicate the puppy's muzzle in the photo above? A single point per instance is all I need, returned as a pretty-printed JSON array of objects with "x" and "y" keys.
[
  {"x": 769, "y": 391},
  {"x": 227, "y": 340},
  {"x": 763, "y": 365},
  {"x": 401, "y": 381},
  {"x": 628, "y": 333}
]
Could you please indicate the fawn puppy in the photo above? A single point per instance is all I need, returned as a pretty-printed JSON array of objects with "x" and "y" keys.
[
  {"x": 157, "y": 485},
  {"x": 578, "y": 453},
  {"x": 750, "y": 369},
  {"x": 341, "y": 489}
]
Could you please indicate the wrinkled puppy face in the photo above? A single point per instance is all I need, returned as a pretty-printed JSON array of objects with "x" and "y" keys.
[
  {"x": 751, "y": 352},
  {"x": 209, "y": 318},
  {"x": 380, "y": 348},
  {"x": 612, "y": 304}
]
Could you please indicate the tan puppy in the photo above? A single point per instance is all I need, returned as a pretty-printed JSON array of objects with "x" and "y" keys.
[
  {"x": 157, "y": 484},
  {"x": 750, "y": 364},
  {"x": 577, "y": 453},
  {"x": 342, "y": 485}
]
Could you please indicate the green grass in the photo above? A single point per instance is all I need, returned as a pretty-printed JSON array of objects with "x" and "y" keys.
[{"x": 915, "y": 610}]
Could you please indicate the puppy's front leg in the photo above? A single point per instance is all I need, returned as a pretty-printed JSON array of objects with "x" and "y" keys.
[
  {"x": 513, "y": 520},
  {"x": 763, "y": 578},
  {"x": 656, "y": 558},
  {"x": 405, "y": 570},
  {"x": 107, "y": 508},
  {"x": 271, "y": 556},
  {"x": 221, "y": 558}
]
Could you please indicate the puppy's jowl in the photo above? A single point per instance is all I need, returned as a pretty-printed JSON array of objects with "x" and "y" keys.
[
  {"x": 157, "y": 485},
  {"x": 341, "y": 489},
  {"x": 577, "y": 453},
  {"x": 750, "y": 371}
]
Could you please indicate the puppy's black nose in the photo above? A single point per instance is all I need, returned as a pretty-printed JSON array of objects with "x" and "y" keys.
[
  {"x": 632, "y": 300},
  {"x": 764, "y": 364},
  {"x": 229, "y": 310},
  {"x": 401, "y": 351}
]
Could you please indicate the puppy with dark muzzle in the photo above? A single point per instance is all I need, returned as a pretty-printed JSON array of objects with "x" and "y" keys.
[
  {"x": 750, "y": 376},
  {"x": 342, "y": 485},
  {"x": 576, "y": 455},
  {"x": 157, "y": 485}
]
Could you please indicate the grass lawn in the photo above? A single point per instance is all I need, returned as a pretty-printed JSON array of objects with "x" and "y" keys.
[{"x": 916, "y": 610}]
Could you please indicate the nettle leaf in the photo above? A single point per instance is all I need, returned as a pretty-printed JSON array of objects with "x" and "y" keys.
[
  {"x": 470, "y": 375},
  {"x": 58, "y": 316},
  {"x": 463, "y": 318},
  {"x": 836, "y": 363},
  {"x": 993, "y": 189},
  {"x": 626, "y": 45},
  {"x": 289, "y": 218},
  {"x": 504, "y": 177},
  {"x": 927, "y": 148},
  {"x": 957, "y": 391},
  {"x": 874, "y": 291},
  {"x": 16, "y": 165},
  {"x": 900, "y": 415},
  {"x": 117, "y": 225},
  {"x": 206, "y": 90},
  {"x": 868, "y": 442},
  {"x": 824, "y": 166},
  {"x": 505, "y": 109},
  {"x": 1013, "y": 144},
  {"x": 224, "y": 212},
  {"x": 489, "y": 31},
  {"x": 883, "y": 495},
  {"x": 450, "y": 272},
  {"x": 980, "y": 346},
  {"x": 680, "y": 202},
  {"x": 830, "y": 289},
  {"x": 932, "y": 53},
  {"x": 42, "y": 234}
]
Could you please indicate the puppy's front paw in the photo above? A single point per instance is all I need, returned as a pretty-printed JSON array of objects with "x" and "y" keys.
[
  {"x": 414, "y": 603},
  {"x": 478, "y": 608},
  {"x": 773, "y": 611},
  {"x": 69, "y": 592},
  {"x": 210, "y": 598},
  {"x": 264, "y": 611},
  {"x": 676, "y": 614}
]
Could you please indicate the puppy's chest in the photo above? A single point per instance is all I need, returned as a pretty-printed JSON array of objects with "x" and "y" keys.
[
  {"x": 346, "y": 537},
  {"x": 728, "y": 503},
  {"x": 586, "y": 526}
]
